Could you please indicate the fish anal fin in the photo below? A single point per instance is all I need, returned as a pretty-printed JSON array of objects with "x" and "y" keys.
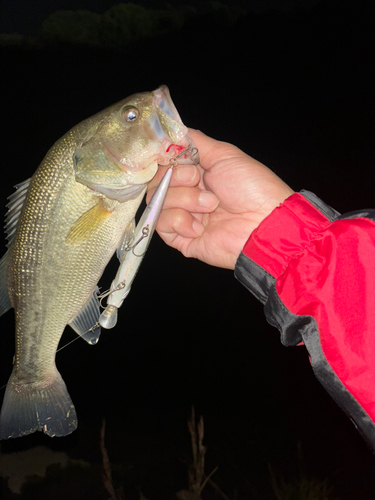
[
  {"x": 40, "y": 406},
  {"x": 86, "y": 323},
  {"x": 88, "y": 224}
]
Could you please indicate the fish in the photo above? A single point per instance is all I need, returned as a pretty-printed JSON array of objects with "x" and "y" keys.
[{"x": 63, "y": 225}]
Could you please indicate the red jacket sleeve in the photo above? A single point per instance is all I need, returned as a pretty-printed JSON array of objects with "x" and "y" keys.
[{"x": 315, "y": 272}]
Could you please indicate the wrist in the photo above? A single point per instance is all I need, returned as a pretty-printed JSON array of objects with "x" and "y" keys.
[{"x": 286, "y": 232}]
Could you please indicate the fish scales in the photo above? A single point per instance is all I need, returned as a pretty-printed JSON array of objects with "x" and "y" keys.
[
  {"x": 53, "y": 292},
  {"x": 77, "y": 207}
]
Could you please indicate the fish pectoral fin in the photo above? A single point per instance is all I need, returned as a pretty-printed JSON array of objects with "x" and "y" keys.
[
  {"x": 88, "y": 224},
  {"x": 4, "y": 297},
  {"x": 86, "y": 323},
  {"x": 128, "y": 237}
]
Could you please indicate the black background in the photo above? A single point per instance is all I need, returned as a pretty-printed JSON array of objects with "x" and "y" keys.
[{"x": 292, "y": 89}]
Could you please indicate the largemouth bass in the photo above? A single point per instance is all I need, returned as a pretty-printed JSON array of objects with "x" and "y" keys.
[{"x": 63, "y": 226}]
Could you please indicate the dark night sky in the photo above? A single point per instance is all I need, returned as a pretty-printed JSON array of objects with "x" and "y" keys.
[{"x": 292, "y": 87}]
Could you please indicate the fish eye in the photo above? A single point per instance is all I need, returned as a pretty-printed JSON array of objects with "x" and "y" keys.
[{"x": 129, "y": 113}]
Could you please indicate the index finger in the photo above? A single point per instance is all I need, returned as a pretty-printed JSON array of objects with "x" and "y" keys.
[
  {"x": 183, "y": 175},
  {"x": 212, "y": 151}
]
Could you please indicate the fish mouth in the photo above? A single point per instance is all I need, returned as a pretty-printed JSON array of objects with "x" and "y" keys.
[
  {"x": 163, "y": 100},
  {"x": 168, "y": 128}
]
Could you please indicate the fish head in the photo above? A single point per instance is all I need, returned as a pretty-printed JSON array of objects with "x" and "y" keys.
[{"x": 128, "y": 142}]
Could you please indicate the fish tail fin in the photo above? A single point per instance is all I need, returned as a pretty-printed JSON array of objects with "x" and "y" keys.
[{"x": 40, "y": 406}]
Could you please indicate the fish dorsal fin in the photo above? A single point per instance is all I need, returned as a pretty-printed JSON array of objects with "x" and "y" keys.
[
  {"x": 86, "y": 323},
  {"x": 4, "y": 297},
  {"x": 128, "y": 236},
  {"x": 15, "y": 204}
]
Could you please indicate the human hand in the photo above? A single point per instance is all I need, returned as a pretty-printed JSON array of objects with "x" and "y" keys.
[{"x": 212, "y": 208}]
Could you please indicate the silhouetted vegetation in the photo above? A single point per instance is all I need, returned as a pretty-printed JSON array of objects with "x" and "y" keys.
[
  {"x": 107, "y": 481},
  {"x": 120, "y": 25}
]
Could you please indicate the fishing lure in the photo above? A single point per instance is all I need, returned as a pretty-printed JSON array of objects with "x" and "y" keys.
[{"x": 133, "y": 252}]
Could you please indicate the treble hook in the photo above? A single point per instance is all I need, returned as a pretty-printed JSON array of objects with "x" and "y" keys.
[
  {"x": 105, "y": 294},
  {"x": 145, "y": 233}
]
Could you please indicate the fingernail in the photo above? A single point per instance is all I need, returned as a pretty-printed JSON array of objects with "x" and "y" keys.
[
  {"x": 208, "y": 200},
  {"x": 198, "y": 227},
  {"x": 185, "y": 173}
]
